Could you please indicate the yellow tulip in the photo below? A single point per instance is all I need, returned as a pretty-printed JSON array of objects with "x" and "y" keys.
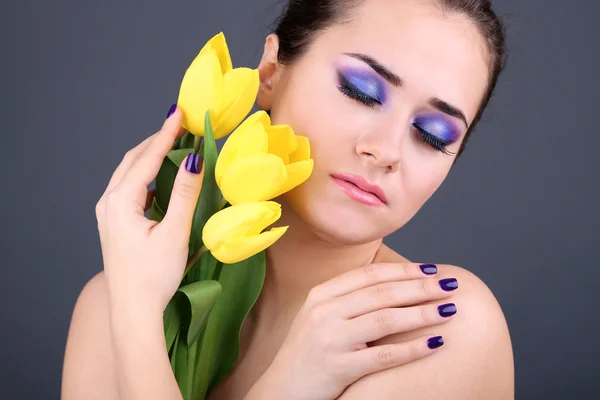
[
  {"x": 212, "y": 83},
  {"x": 234, "y": 233},
  {"x": 260, "y": 161}
]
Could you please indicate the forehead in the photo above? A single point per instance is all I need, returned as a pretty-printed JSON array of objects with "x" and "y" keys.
[{"x": 435, "y": 54}]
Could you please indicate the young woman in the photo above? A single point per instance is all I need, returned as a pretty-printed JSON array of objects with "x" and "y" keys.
[{"x": 388, "y": 93}]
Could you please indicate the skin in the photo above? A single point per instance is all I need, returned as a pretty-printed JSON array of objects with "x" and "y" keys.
[{"x": 294, "y": 329}]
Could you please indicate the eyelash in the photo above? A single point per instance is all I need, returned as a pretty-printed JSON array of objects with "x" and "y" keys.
[
  {"x": 432, "y": 140},
  {"x": 424, "y": 136}
]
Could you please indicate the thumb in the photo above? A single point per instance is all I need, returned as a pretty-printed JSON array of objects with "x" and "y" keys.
[{"x": 186, "y": 190}]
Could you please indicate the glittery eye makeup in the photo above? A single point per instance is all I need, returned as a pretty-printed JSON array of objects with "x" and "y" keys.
[
  {"x": 361, "y": 85},
  {"x": 436, "y": 131}
]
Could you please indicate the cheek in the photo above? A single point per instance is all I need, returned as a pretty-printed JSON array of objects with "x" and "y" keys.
[
  {"x": 420, "y": 180},
  {"x": 315, "y": 108}
]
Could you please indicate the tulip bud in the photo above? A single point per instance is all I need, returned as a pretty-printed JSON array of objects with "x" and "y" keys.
[
  {"x": 210, "y": 83},
  {"x": 234, "y": 233}
]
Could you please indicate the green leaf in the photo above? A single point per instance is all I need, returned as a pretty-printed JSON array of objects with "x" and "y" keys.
[
  {"x": 201, "y": 297},
  {"x": 156, "y": 214},
  {"x": 187, "y": 141},
  {"x": 210, "y": 196},
  {"x": 218, "y": 351},
  {"x": 164, "y": 183},
  {"x": 177, "y": 156},
  {"x": 202, "y": 269},
  {"x": 166, "y": 177},
  {"x": 181, "y": 367},
  {"x": 172, "y": 320},
  {"x": 174, "y": 353}
]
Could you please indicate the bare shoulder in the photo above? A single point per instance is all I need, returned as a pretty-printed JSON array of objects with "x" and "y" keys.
[
  {"x": 88, "y": 369},
  {"x": 476, "y": 361}
]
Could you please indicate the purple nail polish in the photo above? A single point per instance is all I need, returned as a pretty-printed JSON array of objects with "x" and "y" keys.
[
  {"x": 435, "y": 342},
  {"x": 428, "y": 269},
  {"x": 449, "y": 284},
  {"x": 447, "y": 310},
  {"x": 193, "y": 163},
  {"x": 172, "y": 110}
]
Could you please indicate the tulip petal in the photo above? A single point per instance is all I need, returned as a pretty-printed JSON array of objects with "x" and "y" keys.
[
  {"x": 297, "y": 173},
  {"x": 282, "y": 141},
  {"x": 253, "y": 178},
  {"x": 201, "y": 89},
  {"x": 302, "y": 152},
  {"x": 240, "y": 249},
  {"x": 243, "y": 142},
  {"x": 237, "y": 221},
  {"x": 240, "y": 87},
  {"x": 218, "y": 43}
]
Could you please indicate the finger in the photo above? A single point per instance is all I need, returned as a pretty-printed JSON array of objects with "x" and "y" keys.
[
  {"x": 125, "y": 164},
  {"x": 376, "y": 325},
  {"x": 378, "y": 358},
  {"x": 145, "y": 167},
  {"x": 184, "y": 197},
  {"x": 149, "y": 199},
  {"x": 369, "y": 275},
  {"x": 390, "y": 294}
]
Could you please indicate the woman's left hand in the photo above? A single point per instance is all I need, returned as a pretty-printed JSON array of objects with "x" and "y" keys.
[{"x": 144, "y": 260}]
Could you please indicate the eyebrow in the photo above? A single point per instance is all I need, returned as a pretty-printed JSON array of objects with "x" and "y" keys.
[{"x": 395, "y": 80}]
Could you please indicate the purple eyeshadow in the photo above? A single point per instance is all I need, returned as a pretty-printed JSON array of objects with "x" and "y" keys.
[
  {"x": 439, "y": 127},
  {"x": 365, "y": 82}
]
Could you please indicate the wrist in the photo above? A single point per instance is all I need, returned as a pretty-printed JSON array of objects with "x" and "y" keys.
[{"x": 129, "y": 320}]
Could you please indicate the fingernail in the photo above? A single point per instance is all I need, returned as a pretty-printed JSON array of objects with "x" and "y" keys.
[
  {"x": 428, "y": 269},
  {"x": 435, "y": 342},
  {"x": 449, "y": 284},
  {"x": 193, "y": 163},
  {"x": 171, "y": 110},
  {"x": 447, "y": 310}
]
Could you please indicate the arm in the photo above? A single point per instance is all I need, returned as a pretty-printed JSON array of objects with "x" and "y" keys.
[
  {"x": 476, "y": 362},
  {"x": 115, "y": 354},
  {"x": 116, "y": 346}
]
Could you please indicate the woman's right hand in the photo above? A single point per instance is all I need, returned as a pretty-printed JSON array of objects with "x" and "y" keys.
[{"x": 327, "y": 347}]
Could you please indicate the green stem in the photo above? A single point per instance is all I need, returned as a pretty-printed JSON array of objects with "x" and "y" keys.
[
  {"x": 198, "y": 144},
  {"x": 217, "y": 271},
  {"x": 195, "y": 257},
  {"x": 223, "y": 204}
]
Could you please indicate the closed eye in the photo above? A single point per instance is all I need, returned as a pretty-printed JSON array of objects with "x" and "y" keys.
[
  {"x": 352, "y": 92},
  {"x": 432, "y": 140}
]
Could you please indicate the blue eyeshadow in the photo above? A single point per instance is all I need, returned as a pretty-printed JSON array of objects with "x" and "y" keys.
[
  {"x": 438, "y": 127},
  {"x": 366, "y": 82}
]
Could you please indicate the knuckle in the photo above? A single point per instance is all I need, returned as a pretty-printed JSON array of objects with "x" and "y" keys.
[
  {"x": 424, "y": 287},
  {"x": 406, "y": 269},
  {"x": 129, "y": 156},
  {"x": 414, "y": 350},
  {"x": 151, "y": 156},
  {"x": 114, "y": 199},
  {"x": 186, "y": 190},
  {"x": 370, "y": 272},
  {"x": 384, "y": 320},
  {"x": 317, "y": 314},
  {"x": 385, "y": 356},
  {"x": 425, "y": 315},
  {"x": 383, "y": 291},
  {"x": 314, "y": 295}
]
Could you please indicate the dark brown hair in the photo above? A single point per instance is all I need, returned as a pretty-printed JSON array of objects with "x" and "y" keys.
[{"x": 302, "y": 20}]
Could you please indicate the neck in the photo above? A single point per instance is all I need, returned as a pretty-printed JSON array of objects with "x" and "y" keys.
[{"x": 299, "y": 261}]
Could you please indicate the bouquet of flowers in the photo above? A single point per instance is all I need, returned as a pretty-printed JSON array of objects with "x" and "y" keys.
[{"x": 226, "y": 265}]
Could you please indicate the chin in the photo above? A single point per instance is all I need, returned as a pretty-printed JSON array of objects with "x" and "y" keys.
[{"x": 336, "y": 218}]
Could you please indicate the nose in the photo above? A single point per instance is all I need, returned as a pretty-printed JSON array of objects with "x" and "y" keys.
[{"x": 382, "y": 148}]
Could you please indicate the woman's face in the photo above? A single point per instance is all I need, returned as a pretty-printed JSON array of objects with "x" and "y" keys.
[{"x": 396, "y": 129}]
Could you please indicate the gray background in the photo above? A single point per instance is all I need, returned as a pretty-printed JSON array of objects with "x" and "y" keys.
[{"x": 84, "y": 81}]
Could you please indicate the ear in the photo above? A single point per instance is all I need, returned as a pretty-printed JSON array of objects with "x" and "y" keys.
[{"x": 268, "y": 72}]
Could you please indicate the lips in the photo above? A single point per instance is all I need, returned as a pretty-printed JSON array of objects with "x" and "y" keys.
[{"x": 363, "y": 185}]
